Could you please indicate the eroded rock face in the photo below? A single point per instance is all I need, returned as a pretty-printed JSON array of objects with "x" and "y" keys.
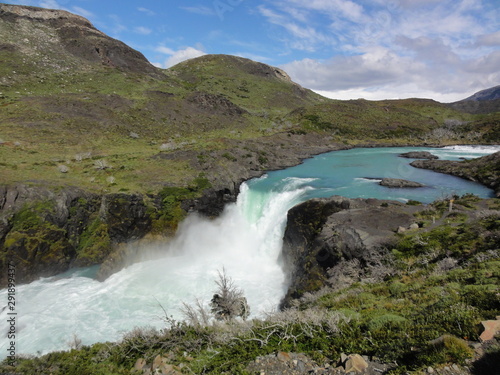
[
  {"x": 324, "y": 234},
  {"x": 41, "y": 228},
  {"x": 76, "y": 35}
]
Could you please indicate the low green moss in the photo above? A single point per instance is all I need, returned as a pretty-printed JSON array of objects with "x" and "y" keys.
[{"x": 95, "y": 243}]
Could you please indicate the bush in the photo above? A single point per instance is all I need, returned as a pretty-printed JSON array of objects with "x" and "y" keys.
[
  {"x": 386, "y": 322},
  {"x": 228, "y": 302},
  {"x": 447, "y": 349}
]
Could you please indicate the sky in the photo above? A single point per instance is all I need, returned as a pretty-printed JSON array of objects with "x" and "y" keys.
[{"x": 445, "y": 50}]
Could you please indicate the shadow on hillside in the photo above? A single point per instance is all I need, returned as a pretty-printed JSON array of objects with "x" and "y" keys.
[{"x": 489, "y": 364}]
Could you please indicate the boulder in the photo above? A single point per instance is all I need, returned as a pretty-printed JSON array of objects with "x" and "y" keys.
[
  {"x": 355, "y": 363},
  {"x": 414, "y": 226},
  {"x": 491, "y": 329}
]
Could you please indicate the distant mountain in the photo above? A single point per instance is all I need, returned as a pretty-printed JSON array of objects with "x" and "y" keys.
[
  {"x": 484, "y": 101},
  {"x": 487, "y": 94}
]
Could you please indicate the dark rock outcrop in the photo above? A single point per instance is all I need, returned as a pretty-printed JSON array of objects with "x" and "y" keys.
[
  {"x": 325, "y": 234},
  {"x": 485, "y": 170},
  {"x": 126, "y": 216},
  {"x": 418, "y": 155},
  {"x": 212, "y": 202},
  {"x": 211, "y": 103},
  {"x": 399, "y": 183},
  {"x": 46, "y": 231}
]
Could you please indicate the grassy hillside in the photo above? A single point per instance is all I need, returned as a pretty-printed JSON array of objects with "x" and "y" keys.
[{"x": 80, "y": 108}]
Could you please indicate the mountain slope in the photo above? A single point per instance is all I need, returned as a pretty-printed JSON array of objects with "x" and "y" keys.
[
  {"x": 482, "y": 102},
  {"x": 488, "y": 94},
  {"x": 56, "y": 40},
  {"x": 69, "y": 90}
]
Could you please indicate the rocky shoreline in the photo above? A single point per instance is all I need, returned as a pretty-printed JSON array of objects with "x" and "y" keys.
[{"x": 485, "y": 170}]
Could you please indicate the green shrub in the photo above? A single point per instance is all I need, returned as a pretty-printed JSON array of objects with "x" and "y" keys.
[
  {"x": 95, "y": 243},
  {"x": 446, "y": 349},
  {"x": 412, "y": 202},
  {"x": 386, "y": 322},
  {"x": 397, "y": 288}
]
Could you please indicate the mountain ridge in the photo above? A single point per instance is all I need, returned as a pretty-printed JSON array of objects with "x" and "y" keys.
[
  {"x": 491, "y": 93},
  {"x": 482, "y": 102}
]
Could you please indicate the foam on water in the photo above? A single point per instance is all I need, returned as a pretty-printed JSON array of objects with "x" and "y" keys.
[{"x": 464, "y": 152}]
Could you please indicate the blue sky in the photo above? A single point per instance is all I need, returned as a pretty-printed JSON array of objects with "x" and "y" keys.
[{"x": 374, "y": 49}]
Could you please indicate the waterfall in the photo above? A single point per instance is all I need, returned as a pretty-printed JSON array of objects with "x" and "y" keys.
[{"x": 245, "y": 240}]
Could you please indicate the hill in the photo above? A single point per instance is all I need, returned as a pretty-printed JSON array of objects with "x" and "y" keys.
[{"x": 73, "y": 97}]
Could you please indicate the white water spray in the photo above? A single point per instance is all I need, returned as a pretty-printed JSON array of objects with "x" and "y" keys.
[{"x": 245, "y": 240}]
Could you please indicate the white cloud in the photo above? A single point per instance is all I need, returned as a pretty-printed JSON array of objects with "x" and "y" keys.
[
  {"x": 377, "y": 67},
  {"x": 302, "y": 37},
  {"x": 147, "y": 11},
  {"x": 333, "y": 8},
  {"x": 444, "y": 49},
  {"x": 203, "y": 10},
  {"x": 489, "y": 40},
  {"x": 177, "y": 56},
  {"x": 381, "y": 74},
  {"x": 165, "y": 50},
  {"x": 142, "y": 30}
]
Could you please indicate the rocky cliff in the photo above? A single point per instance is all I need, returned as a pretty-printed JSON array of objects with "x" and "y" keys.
[
  {"x": 338, "y": 241},
  {"x": 45, "y": 231}
]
